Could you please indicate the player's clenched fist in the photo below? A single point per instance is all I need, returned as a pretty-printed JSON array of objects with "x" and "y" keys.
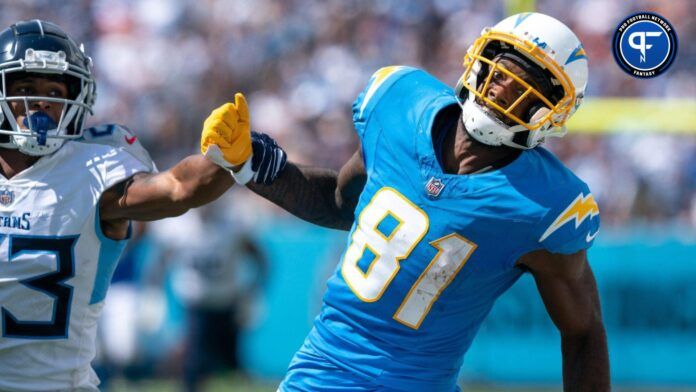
[
  {"x": 228, "y": 141},
  {"x": 226, "y": 136}
]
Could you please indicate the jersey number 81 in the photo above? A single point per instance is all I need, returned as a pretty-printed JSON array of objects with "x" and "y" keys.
[{"x": 389, "y": 250}]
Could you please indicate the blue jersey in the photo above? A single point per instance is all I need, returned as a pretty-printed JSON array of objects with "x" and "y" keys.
[{"x": 430, "y": 252}]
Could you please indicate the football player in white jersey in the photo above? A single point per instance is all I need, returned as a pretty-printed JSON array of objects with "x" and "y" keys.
[{"x": 67, "y": 196}]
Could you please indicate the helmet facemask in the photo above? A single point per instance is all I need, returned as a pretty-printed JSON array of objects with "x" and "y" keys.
[
  {"x": 555, "y": 94},
  {"x": 39, "y": 134}
]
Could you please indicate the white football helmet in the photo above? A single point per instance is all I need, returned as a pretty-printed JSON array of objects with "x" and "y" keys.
[
  {"x": 543, "y": 46},
  {"x": 43, "y": 48}
]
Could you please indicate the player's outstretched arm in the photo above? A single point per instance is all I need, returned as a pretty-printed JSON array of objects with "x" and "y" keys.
[
  {"x": 320, "y": 196},
  {"x": 569, "y": 291},
  {"x": 191, "y": 183}
]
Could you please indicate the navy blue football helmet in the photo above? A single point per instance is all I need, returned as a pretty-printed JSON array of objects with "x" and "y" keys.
[{"x": 43, "y": 49}]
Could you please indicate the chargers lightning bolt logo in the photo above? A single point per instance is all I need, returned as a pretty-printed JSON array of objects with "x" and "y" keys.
[
  {"x": 580, "y": 209},
  {"x": 578, "y": 53}
]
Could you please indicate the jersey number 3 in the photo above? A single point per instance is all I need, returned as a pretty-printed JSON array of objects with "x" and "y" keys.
[
  {"x": 52, "y": 284},
  {"x": 389, "y": 249}
]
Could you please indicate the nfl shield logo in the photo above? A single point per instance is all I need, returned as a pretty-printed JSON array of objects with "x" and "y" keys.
[
  {"x": 434, "y": 186},
  {"x": 6, "y": 197}
]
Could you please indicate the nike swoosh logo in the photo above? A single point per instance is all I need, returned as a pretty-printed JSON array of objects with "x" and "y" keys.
[
  {"x": 592, "y": 236},
  {"x": 130, "y": 140}
]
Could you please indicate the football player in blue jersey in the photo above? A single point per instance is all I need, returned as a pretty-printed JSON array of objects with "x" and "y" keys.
[{"x": 449, "y": 200}]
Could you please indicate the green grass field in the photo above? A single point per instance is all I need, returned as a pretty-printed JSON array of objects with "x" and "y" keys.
[
  {"x": 236, "y": 383},
  {"x": 224, "y": 383}
]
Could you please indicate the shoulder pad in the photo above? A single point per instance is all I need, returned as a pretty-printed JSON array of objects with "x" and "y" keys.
[
  {"x": 378, "y": 83},
  {"x": 121, "y": 138}
]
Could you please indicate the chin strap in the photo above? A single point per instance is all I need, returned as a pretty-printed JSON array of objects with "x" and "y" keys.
[{"x": 488, "y": 130}]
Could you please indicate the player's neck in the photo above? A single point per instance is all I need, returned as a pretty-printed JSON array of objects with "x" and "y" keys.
[
  {"x": 464, "y": 155},
  {"x": 13, "y": 162}
]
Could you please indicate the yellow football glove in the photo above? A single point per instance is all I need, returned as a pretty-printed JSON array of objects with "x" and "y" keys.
[{"x": 226, "y": 135}]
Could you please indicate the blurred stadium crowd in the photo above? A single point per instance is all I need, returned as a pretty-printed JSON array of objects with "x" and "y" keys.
[{"x": 162, "y": 65}]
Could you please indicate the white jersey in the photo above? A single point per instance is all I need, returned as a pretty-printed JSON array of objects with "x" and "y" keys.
[{"x": 56, "y": 264}]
